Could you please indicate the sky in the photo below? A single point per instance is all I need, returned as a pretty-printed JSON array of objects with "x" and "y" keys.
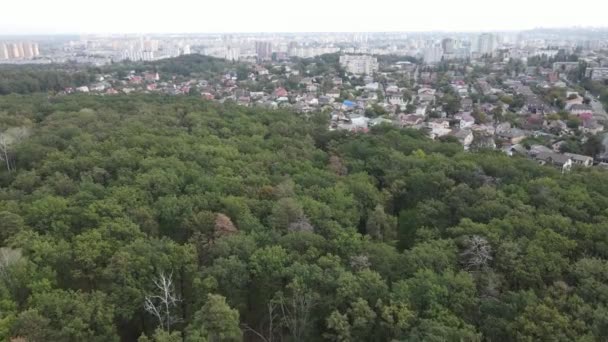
[{"x": 212, "y": 16}]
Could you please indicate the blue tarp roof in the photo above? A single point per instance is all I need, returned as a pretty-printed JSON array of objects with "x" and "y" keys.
[{"x": 348, "y": 103}]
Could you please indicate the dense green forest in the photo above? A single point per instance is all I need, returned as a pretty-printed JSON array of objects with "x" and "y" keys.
[
  {"x": 42, "y": 78},
  {"x": 20, "y": 79},
  {"x": 157, "y": 218}
]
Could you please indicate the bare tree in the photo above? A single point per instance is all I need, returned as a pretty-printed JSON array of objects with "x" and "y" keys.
[
  {"x": 163, "y": 304},
  {"x": 8, "y": 139},
  {"x": 301, "y": 225},
  {"x": 272, "y": 316},
  {"x": 8, "y": 257},
  {"x": 359, "y": 262},
  {"x": 295, "y": 309},
  {"x": 477, "y": 254}
]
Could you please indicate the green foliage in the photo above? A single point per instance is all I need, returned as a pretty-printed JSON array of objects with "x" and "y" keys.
[
  {"x": 273, "y": 228},
  {"x": 215, "y": 321}
]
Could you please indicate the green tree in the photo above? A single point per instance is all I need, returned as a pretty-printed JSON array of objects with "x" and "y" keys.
[{"x": 215, "y": 321}]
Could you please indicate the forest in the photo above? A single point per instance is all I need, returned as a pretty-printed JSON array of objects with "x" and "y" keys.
[
  {"x": 161, "y": 219},
  {"x": 27, "y": 79}
]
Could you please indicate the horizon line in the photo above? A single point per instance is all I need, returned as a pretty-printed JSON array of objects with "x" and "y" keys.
[{"x": 601, "y": 28}]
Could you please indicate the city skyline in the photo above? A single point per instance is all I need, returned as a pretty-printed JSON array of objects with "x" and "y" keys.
[{"x": 187, "y": 16}]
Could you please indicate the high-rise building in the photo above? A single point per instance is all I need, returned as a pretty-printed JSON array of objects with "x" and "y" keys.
[
  {"x": 18, "y": 50},
  {"x": 486, "y": 44},
  {"x": 447, "y": 45},
  {"x": 232, "y": 53},
  {"x": 150, "y": 45},
  {"x": 359, "y": 64},
  {"x": 21, "y": 49},
  {"x": 433, "y": 54},
  {"x": 263, "y": 50},
  {"x": 3, "y": 51},
  {"x": 13, "y": 51},
  {"x": 28, "y": 51}
]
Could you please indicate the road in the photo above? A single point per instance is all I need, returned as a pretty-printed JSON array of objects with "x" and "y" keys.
[{"x": 598, "y": 109}]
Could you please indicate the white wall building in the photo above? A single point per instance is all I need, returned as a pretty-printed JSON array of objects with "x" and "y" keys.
[
  {"x": 359, "y": 64},
  {"x": 486, "y": 44},
  {"x": 433, "y": 55}
]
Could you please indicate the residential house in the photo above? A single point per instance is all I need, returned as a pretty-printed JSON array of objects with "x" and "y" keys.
[
  {"x": 484, "y": 128},
  {"x": 151, "y": 76},
  {"x": 464, "y": 136},
  {"x": 355, "y": 124},
  {"x": 396, "y": 100},
  {"x": 581, "y": 109},
  {"x": 372, "y": 87},
  {"x": 348, "y": 105},
  {"x": 100, "y": 86},
  {"x": 465, "y": 120},
  {"x": 426, "y": 91},
  {"x": 512, "y": 136},
  {"x": 426, "y": 98},
  {"x": 580, "y": 160},
  {"x": 207, "y": 96},
  {"x": 420, "y": 110},
  {"x": 256, "y": 94},
  {"x": 591, "y": 126},
  {"x": 334, "y": 93},
  {"x": 312, "y": 88},
  {"x": 560, "y": 161},
  {"x": 578, "y": 100},
  {"x": 466, "y": 104},
  {"x": 557, "y": 127},
  {"x": 392, "y": 90},
  {"x": 516, "y": 149},
  {"x": 503, "y": 127},
  {"x": 438, "y": 128},
  {"x": 135, "y": 79},
  {"x": 409, "y": 120},
  {"x": 325, "y": 100},
  {"x": 536, "y": 149},
  {"x": 280, "y": 92}
]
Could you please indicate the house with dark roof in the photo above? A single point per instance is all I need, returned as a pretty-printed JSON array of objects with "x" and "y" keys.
[
  {"x": 581, "y": 109},
  {"x": 580, "y": 160},
  {"x": 560, "y": 161}
]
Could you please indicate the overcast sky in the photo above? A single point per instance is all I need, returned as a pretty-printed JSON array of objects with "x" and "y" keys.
[{"x": 195, "y": 16}]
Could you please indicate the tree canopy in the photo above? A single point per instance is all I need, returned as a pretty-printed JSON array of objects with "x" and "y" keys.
[{"x": 242, "y": 223}]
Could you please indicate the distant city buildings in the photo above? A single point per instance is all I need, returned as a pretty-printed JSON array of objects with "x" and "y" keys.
[
  {"x": 3, "y": 51},
  {"x": 19, "y": 50},
  {"x": 232, "y": 53},
  {"x": 447, "y": 45},
  {"x": 431, "y": 47},
  {"x": 565, "y": 66},
  {"x": 597, "y": 74},
  {"x": 359, "y": 64},
  {"x": 433, "y": 54},
  {"x": 486, "y": 44},
  {"x": 263, "y": 50}
]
